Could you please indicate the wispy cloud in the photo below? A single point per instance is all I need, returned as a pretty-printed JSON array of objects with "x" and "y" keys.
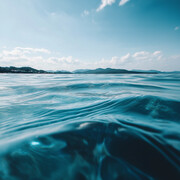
[
  {"x": 44, "y": 59},
  {"x": 105, "y": 3},
  {"x": 142, "y": 60},
  {"x": 85, "y": 13},
  {"x": 176, "y": 28},
  {"x": 138, "y": 59},
  {"x": 18, "y": 51},
  {"x": 37, "y": 58},
  {"x": 123, "y": 2}
]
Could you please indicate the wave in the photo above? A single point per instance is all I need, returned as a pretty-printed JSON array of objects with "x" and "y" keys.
[
  {"x": 143, "y": 108},
  {"x": 153, "y": 106},
  {"x": 71, "y": 127}
]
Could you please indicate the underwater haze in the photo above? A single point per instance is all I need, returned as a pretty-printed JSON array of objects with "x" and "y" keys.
[{"x": 90, "y": 127}]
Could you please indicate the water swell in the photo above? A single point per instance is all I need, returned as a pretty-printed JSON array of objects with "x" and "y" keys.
[
  {"x": 86, "y": 128},
  {"x": 145, "y": 106},
  {"x": 155, "y": 107}
]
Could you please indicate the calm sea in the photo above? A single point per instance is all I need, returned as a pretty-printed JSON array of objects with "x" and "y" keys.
[{"x": 89, "y": 127}]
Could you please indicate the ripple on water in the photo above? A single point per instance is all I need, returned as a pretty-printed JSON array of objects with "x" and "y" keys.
[{"x": 90, "y": 127}]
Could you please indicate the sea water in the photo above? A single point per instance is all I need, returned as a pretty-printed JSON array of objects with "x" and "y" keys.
[{"x": 89, "y": 127}]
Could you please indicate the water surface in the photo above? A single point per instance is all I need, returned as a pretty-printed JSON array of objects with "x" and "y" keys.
[{"x": 89, "y": 127}]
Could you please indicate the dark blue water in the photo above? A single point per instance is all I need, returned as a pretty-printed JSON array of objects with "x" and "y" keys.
[{"x": 89, "y": 127}]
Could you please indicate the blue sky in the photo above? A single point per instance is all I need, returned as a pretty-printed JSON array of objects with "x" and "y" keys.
[{"x": 69, "y": 34}]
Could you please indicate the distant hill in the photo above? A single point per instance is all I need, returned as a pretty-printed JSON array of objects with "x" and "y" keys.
[
  {"x": 62, "y": 72},
  {"x": 111, "y": 71},
  {"x": 149, "y": 71},
  {"x": 13, "y": 69},
  {"x": 30, "y": 70},
  {"x": 80, "y": 71}
]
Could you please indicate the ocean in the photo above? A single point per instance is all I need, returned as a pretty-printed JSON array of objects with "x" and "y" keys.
[{"x": 90, "y": 127}]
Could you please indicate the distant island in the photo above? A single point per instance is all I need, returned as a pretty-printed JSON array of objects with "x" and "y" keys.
[
  {"x": 112, "y": 71},
  {"x": 29, "y": 70}
]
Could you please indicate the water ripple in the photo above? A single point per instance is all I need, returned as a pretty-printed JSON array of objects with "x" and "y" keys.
[{"x": 89, "y": 127}]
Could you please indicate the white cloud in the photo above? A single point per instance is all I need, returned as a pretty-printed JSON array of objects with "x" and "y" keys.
[
  {"x": 32, "y": 50},
  {"x": 176, "y": 28},
  {"x": 125, "y": 58},
  {"x": 137, "y": 60},
  {"x": 18, "y": 51},
  {"x": 38, "y": 58},
  {"x": 44, "y": 59},
  {"x": 120, "y": 60},
  {"x": 141, "y": 55},
  {"x": 156, "y": 53},
  {"x": 105, "y": 3},
  {"x": 85, "y": 13},
  {"x": 123, "y": 2},
  {"x": 144, "y": 55}
]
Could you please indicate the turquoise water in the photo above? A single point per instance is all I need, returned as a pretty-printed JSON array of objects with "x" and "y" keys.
[{"x": 89, "y": 127}]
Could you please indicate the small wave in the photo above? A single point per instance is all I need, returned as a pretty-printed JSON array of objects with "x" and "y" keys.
[
  {"x": 94, "y": 127},
  {"x": 156, "y": 107},
  {"x": 82, "y": 86}
]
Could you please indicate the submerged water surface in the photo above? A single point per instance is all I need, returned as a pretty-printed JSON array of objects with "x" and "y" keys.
[{"x": 89, "y": 127}]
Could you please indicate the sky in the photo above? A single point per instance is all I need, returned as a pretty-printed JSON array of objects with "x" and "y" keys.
[{"x": 89, "y": 34}]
